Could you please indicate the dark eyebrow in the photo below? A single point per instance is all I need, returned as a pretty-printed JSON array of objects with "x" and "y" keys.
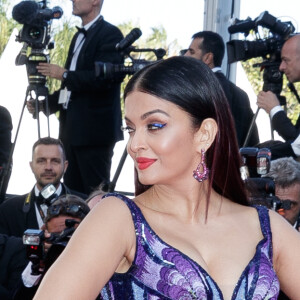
[{"x": 147, "y": 114}]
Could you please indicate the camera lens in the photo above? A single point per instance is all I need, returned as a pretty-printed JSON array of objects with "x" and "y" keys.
[{"x": 34, "y": 33}]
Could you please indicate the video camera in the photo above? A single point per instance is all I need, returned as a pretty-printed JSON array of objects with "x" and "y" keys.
[
  {"x": 243, "y": 50},
  {"x": 255, "y": 165},
  {"x": 34, "y": 240},
  {"x": 113, "y": 71},
  {"x": 269, "y": 48},
  {"x": 37, "y": 19}
]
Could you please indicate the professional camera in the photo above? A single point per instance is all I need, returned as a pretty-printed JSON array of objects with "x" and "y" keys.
[
  {"x": 37, "y": 19},
  {"x": 112, "y": 71},
  {"x": 34, "y": 240},
  {"x": 268, "y": 48},
  {"x": 255, "y": 162},
  {"x": 243, "y": 50},
  {"x": 255, "y": 165},
  {"x": 48, "y": 194}
]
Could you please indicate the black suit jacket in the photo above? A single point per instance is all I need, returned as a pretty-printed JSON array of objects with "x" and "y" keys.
[
  {"x": 241, "y": 111},
  {"x": 14, "y": 221},
  {"x": 289, "y": 132},
  {"x": 5, "y": 135},
  {"x": 12, "y": 263},
  {"x": 285, "y": 128},
  {"x": 93, "y": 116}
]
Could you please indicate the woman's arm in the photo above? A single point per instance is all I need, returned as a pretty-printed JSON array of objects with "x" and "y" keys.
[
  {"x": 286, "y": 249},
  {"x": 93, "y": 254}
]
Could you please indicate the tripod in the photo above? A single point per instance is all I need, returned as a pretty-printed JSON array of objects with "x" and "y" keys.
[
  {"x": 282, "y": 102},
  {"x": 39, "y": 91},
  {"x": 112, "y": 184},
  {"x": 273, "y": 79}
]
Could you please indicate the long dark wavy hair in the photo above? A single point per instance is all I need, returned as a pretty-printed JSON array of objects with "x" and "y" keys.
[{"x": 192, "y": 86}]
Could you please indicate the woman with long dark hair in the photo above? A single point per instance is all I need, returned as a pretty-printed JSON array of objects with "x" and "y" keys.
[{"x": 189, "y": 233}]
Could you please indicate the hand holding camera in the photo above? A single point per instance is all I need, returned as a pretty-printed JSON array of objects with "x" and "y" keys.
[
  {"x": 267, "y": 101},
  {"x": 51, "y": 70}
]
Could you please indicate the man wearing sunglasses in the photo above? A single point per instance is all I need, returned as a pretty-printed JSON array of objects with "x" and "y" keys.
[
  {"x": 63, "y": 217},
  {"x": 286, "y": 173},
  {"x": 28, "y": 211}
]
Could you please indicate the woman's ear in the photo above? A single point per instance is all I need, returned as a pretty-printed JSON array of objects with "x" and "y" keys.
[{"x": 206, "y": 134}]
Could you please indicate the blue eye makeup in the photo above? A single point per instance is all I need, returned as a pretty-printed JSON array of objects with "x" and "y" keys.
[
  {"x": 156, "y": 126},
  {"x": 151, "y": 126}
]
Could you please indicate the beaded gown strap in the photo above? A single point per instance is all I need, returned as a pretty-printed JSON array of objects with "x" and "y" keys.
[
  {"x": 134, "y": 210},
  {"x": 264, "y": 218}
]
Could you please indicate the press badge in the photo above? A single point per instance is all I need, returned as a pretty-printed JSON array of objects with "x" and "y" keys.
[{"x": 64, "y": 96}]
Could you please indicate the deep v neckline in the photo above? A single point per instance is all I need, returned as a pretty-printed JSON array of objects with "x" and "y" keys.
[
  {"x": 161, "y": 271},
  {"x": 189, "y": 259}
]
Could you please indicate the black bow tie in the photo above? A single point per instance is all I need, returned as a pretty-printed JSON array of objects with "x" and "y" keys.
[
  {"x": 39, "y": 199},
  {"x": 81, "y": 30}
]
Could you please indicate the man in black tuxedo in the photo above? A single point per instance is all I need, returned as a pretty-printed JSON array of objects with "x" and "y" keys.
[
  {"x": 209, "y": 47},
  {"x": 5, "y": 148},
  {"x": 290, "y": 65},
  {"x": 28, "y": 211},
  {"x": 90, "y": 110}
]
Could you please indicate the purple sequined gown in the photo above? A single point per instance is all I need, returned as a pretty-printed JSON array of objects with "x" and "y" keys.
[{"x": 162, "y": 272}]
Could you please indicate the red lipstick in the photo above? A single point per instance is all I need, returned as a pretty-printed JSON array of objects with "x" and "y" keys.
[{"x": 144, "y": 163}]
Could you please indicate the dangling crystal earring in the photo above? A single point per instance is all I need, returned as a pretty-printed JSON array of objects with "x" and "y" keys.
[{"x": 197, "y": 173}]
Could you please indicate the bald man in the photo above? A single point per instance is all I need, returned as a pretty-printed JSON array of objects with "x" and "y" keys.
[{"x": 290, "y": 65}]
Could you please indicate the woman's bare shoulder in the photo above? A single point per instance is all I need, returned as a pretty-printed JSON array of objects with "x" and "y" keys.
[{"x": 112, "y": 204}]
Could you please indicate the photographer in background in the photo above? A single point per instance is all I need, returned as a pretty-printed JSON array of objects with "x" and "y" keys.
[
  {"x": 290, "y": 65},
  {"x": 286, "y": 173},
  {"x": 5, "y": 148},
  {"x": 28, "y": 211},
  {"x": 208, "y": 46},
  {"x": 66, "y": 210},
  {"x": 89, "y": 107}
]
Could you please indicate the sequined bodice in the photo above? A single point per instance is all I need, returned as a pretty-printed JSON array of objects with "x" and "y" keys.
[{"x": 160, "y": 271}]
